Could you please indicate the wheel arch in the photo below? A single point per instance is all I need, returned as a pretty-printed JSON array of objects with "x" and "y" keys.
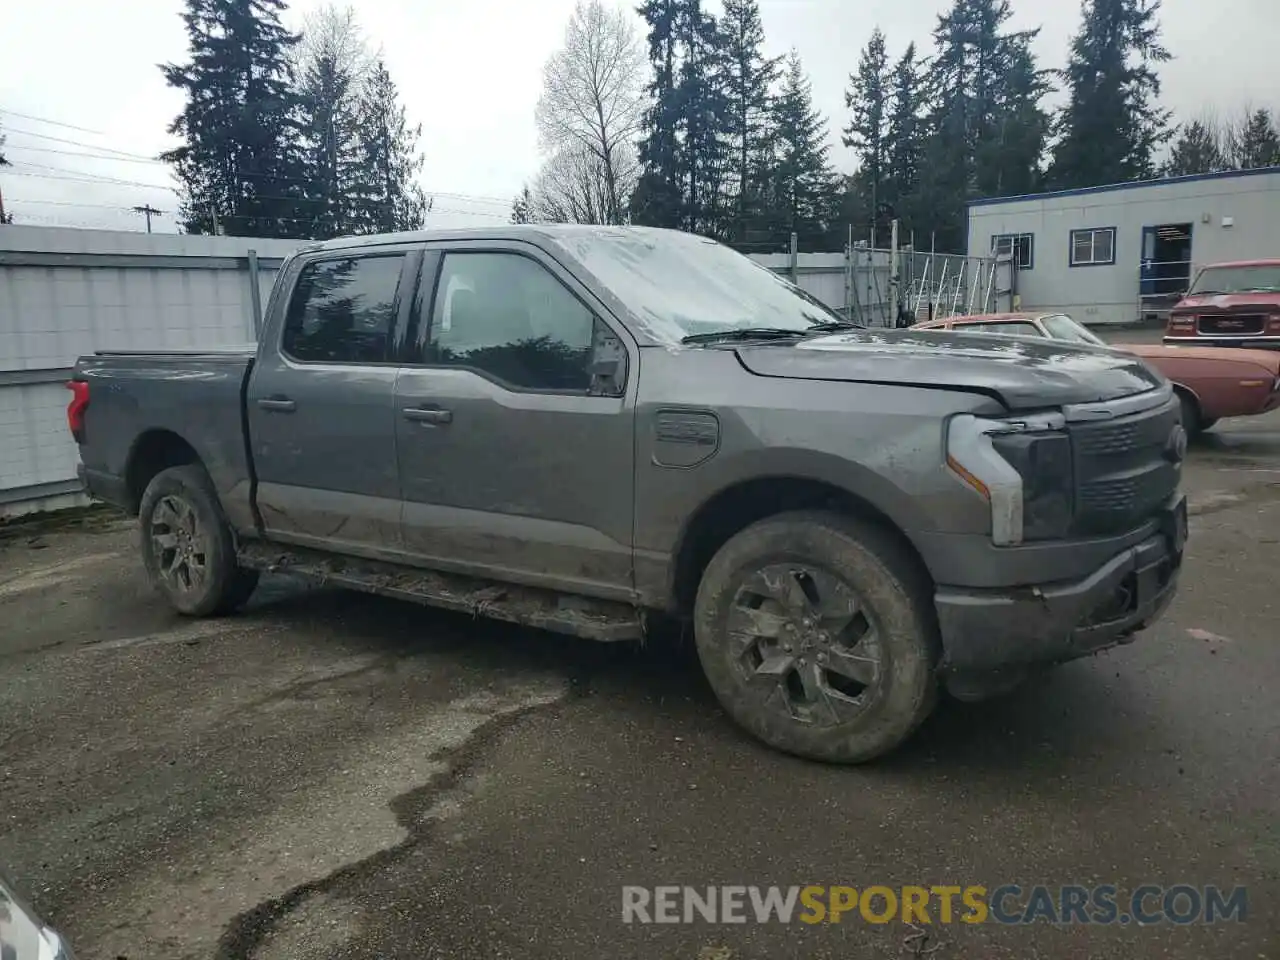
[
  {"x": 152, "y": 451},
  {"x": 740, "y": 504}
]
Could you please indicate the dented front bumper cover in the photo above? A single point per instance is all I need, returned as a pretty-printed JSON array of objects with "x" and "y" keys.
[{"x": 1028, "y": 625}]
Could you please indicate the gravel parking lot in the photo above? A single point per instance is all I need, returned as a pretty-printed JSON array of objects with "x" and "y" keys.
[{"x": 333, "y": 775}]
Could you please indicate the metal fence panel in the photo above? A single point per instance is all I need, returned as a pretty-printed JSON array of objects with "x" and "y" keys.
[{"x": 878, "y": 289}]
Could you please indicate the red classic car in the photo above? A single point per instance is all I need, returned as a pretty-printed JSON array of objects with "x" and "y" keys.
[
  {"x": 1230, "y": 305},
  {"x": 1211, "y": 382}
]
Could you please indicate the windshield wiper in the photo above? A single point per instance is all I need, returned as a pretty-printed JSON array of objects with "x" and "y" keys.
[
  {"x": 831, "y": 325},
  {"x": 745, "y": 333}
]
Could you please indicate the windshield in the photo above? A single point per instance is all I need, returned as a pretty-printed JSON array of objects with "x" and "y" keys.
[
  {"x": 1264, "y": 278},
  {"x": 1062, "y": 327},
  {"x": 682, "y": 285}
]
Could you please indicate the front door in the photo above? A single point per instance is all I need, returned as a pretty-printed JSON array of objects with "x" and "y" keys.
[
  {"x": 516, "y": 456},
  {"x": 321, "y": 409}
]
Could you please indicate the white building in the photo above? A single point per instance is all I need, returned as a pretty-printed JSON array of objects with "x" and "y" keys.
[{"x": 1126, "y": 252}]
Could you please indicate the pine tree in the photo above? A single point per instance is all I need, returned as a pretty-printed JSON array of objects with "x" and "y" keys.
[
  {"x": 240, "y": 160},
  {"x": 657, "y": 200},
  {"x": 1259, "y": 143},
  {"x": 706, "y": 117},
  {"x": 868, "y": 99},
  {"x": 749, "y": 78},
  {"x": 684, "y": 143},
  {"x": 1197, "y": 150},
  {"x": 386, "y": 195},
  {"x": 1009, "y": 159},
  {"x": 522, "y": 207},
  {"x": 905, "y": 137},
  {"x": 1110, "y": 128},
  {"x": 333, "y": 64},
  {"x": 803, "y": 194},
  {"x": 986, "y": 126}
]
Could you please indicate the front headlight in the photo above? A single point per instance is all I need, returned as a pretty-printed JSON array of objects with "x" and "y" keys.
[{"x": 1022, "y": 467}]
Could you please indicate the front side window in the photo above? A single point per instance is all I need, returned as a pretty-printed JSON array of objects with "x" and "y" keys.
[
  {"x": 1093, "y": 247},
  {"x": 507, "y": 316},
  {"x": 1019, "y": 246},
  {"x": 343, "y": 311}
]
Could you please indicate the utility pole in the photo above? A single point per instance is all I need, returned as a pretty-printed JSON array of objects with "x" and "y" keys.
[{"x": 149, "y": 211}]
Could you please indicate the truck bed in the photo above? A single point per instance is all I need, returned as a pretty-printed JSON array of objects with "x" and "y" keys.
[{"x": 164, "y": 404}]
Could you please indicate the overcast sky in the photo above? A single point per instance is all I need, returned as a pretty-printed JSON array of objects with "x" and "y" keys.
[{"x": 469, "y": 71}]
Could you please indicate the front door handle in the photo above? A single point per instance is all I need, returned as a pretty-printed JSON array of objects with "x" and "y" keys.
[
  {"x": 428, "y": 414},
  {"x": 279, "y": 404}
]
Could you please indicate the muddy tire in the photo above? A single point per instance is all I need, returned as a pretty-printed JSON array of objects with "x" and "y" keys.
[
  {"x": 817, "y": 635},
  {"x": 187, "y": 547}
]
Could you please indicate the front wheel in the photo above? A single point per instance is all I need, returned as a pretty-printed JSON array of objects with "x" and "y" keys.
[
  {"x": 1191, "y": 419},
  {"x": 816, "y": 634},
  {"x": 187, "y": 547}
]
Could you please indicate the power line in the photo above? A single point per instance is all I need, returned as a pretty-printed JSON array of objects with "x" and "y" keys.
[
  {"x": 82, "y": 178},
  {"x": 77, "y": 153},
  {"x": 124, "y": 156},
  {"x": 125, "y": 208},
  {"x": 77, "y": 143},
  {"x": 53, "y": 123}
]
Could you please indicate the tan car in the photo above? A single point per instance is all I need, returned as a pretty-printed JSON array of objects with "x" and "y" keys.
[{"x": 1212, "y": 382}]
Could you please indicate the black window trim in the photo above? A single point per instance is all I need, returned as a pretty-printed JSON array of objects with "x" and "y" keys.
[
  {"x": 425, "y": 307},
  {"x": 1013, "y": 247},
  {"x": 1071, "y": 247},
  {"x": 410, "y": 258}
]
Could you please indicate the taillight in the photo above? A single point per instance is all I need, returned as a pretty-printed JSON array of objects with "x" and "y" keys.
[{"x": 76, "y": 408}]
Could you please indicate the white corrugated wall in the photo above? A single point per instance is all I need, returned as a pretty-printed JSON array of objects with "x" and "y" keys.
[{"x": 65, "y": 293}]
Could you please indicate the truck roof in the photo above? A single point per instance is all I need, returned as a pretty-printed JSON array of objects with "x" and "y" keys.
[{"x": 512, "y": 231}]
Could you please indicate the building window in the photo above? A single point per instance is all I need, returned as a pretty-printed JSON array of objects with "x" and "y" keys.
[
  {"x": 1093, "y": 247},
  {"x": 1020, "y": 246}
]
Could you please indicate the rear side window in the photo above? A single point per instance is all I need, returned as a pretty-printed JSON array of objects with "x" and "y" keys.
[
  {"x": 507, "y": 316},
  {"x": 343, "y": 311},
  {"x": 1007, "y": 329}
]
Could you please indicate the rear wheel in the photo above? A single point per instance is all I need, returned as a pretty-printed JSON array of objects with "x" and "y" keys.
[
  {"x": 187, "y": 547},
  {"x": 816, "y": 634}
]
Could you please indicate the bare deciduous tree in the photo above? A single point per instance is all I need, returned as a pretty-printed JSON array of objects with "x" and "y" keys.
[
  {"x": 571, "y": 187},
  {"x": 589, "y": 115}
]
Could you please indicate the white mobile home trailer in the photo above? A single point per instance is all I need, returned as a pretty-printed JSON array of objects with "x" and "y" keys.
[{"x": 1126, "y": 252}]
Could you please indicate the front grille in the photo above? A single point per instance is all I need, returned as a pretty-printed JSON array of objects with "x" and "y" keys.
[
  {"x": 1123, "y": 475},
  {"x": 1239, "y": 324}
]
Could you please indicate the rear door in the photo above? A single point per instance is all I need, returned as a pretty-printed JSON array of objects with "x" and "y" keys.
[
  {"x": 514, "y": 423},
  {"x": 321, "y": 408}
]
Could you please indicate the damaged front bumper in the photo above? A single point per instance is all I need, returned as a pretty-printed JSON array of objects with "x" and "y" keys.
[{"x": 987, "y": 630}]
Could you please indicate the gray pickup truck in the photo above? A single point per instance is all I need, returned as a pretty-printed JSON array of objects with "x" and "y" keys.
[{"x": 582, "y": 428}]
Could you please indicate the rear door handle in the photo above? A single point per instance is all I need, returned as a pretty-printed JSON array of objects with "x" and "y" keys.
[
  {"x": 280, "y": 404},
  {"x": 428, "y": 415}
]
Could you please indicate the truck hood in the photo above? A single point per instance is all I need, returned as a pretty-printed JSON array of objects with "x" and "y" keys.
[
  {"x": 1229, "y": 303},
  {"x": 1021, "y": 373}
]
